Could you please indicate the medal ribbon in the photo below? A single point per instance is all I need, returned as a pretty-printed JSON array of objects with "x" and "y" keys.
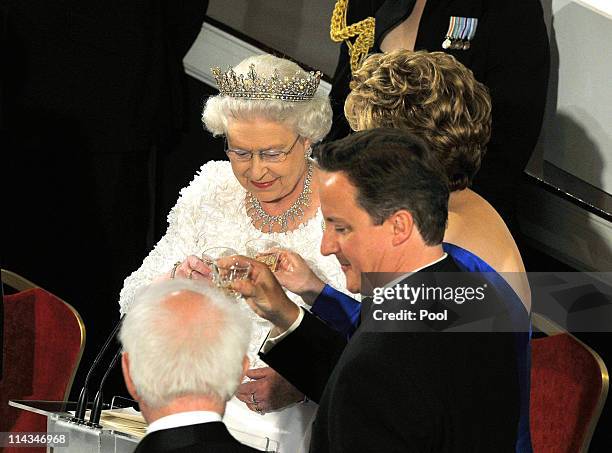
[
  {"x": 451, "y": 27},
  {"x": 461, "y": 28},
  {"x": 473, "y": 23}
]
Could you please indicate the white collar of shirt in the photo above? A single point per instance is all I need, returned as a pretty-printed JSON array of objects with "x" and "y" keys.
[
  {"x": 407, "y": 274},
  {"x": 183, "y": 419}
]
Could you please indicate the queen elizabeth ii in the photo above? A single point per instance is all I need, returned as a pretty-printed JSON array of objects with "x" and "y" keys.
[{"x": 270, "y": 112}]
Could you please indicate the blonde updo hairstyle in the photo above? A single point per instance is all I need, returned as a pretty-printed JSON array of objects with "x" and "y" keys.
[
  {"x": 310, "y": 119},
  {"x": 431, "y": 95}
]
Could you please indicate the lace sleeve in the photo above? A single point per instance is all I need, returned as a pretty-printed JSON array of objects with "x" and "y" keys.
[{"x": 184, "y": 236}]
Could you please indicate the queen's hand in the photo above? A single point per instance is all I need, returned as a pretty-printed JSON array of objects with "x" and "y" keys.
[
  {"x": 191, "y": 267},
  {"x": 267, "y": 391}
]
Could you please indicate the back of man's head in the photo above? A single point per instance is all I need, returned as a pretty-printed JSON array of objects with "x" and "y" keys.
[
  {"x": 392, "y": 170},
  {"x": 184, "y": 339}
]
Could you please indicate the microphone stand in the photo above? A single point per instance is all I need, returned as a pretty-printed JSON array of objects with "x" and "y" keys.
[
  {"x": 96, "y": 410},
  {"x": 79, "y": 415}
]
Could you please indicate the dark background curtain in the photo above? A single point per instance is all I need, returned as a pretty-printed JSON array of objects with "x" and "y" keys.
[{"x": 100, "y": 128}]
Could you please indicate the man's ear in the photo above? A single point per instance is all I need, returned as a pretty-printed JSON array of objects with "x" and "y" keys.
[
  {"x": 125, "y": 366},
  {"x": 402, "y": 226}
]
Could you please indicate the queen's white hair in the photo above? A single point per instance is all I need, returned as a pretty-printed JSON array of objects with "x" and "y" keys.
[
  {"x": 196, "y": 351},
  {"x": 310, "y": 119}
]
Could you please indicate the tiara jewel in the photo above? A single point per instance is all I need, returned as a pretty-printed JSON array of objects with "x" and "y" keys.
[{"x": 251, "y": 86}]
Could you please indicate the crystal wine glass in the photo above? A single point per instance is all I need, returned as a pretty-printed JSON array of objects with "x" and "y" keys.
[
  {"x": 263, "y": 250},
  {"x": 230, "y": 271},
  {"x": 212, "y": 254}
]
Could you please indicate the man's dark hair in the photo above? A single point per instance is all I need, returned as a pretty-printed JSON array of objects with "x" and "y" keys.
[{"x": 392, "y": 170}]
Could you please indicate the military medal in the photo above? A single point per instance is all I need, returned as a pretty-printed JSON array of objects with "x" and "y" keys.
[
  {"x": 461, "y": 31},
  {"x": 470, "y": 31},
  {"x": 448, "y": 42}
]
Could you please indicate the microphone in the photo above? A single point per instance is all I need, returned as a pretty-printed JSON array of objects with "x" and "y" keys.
[
  {"x": 79, "y": 415},
  {"x": 96, "y": 410}
]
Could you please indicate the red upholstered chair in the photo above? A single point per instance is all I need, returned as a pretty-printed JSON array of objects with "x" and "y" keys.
[
  {"x": 569, "y": 386},
  {"x": 44, "y": 339}
]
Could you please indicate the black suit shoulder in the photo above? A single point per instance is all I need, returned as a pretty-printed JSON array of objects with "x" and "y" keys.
[
  {"x": 421, "y": 391},
  {"x": 405, "y": 391},
  {"x": 307, "y": 356},
  {"x": 201, "y": 438}
]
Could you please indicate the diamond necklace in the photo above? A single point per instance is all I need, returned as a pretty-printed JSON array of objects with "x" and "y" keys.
[{"x": 295, "y": 211}]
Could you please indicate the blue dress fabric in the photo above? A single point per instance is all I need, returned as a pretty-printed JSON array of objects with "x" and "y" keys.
[{"x": 342, "y": 313}]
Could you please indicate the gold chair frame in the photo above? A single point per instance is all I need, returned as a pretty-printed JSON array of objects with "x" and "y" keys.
[
  {"x": 20, "y": 283},
  {"x": 550, "y": 328}
]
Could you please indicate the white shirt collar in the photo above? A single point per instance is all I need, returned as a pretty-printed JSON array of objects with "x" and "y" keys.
[
  {"x": 183, "y": 419},
  {"x": 407, "y": 274}
]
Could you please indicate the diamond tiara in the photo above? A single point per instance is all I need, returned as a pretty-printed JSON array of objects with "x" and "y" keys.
[{"x": 251, "y": 86}]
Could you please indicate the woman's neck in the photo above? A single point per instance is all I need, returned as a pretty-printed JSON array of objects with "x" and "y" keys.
[
  {"x": 458, "y": 199},
  {"x": 282, "y": 205}
]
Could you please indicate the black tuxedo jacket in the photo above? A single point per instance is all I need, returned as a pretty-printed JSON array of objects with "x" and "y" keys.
[
  {"x": 201, "y": 438},
  {"x": 404, "y": 392}
]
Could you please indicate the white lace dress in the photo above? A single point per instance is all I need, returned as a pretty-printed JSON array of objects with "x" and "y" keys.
[{"x": 211, "y": 212}]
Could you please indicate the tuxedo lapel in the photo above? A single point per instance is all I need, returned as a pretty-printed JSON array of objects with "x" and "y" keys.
[
  {"x": 390, "y": 14},
  {"x": 366, "y": 307}
]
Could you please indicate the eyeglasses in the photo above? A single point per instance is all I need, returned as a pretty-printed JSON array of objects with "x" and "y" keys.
[{"x": 268, "y": 155}]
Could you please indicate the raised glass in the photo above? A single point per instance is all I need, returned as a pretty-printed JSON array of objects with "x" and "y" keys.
[
  {"x": 265, "y": 251},
  {"x": 212, "y": 254}
]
